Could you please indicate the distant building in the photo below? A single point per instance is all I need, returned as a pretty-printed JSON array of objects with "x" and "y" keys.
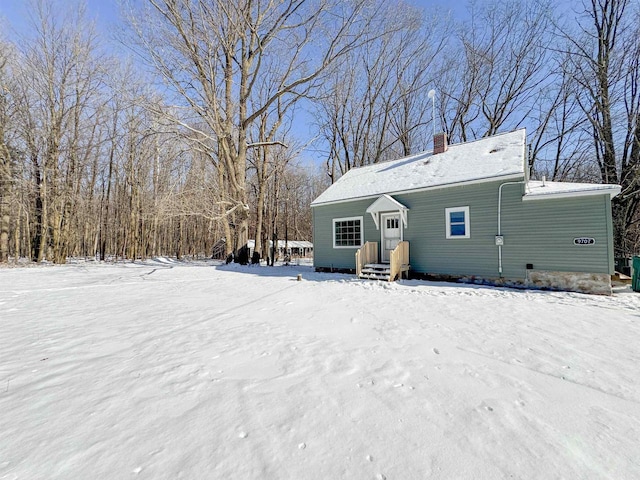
[{"x": 291, "y": 248}]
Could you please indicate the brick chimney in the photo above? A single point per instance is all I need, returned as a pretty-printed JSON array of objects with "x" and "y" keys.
[{"x": 440, "y": 143}]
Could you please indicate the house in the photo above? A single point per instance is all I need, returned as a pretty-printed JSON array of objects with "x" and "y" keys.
[
  {"x": 287, "y": 248},
  {"x": 467, "y": 212},
  {"x": 290, "y": 248}
]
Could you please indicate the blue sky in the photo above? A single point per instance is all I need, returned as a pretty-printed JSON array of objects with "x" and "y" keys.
[{"x": 105, "y": 12}]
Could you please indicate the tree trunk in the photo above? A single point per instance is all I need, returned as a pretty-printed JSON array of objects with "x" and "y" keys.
[
  {"x": 42, "y": 221},
  {"x": 5, "y": 205}
]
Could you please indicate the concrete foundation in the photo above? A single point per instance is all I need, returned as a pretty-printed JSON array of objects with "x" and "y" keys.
[{"x": 594, "y": 283}]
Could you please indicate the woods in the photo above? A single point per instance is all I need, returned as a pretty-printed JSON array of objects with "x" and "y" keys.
[{"x": 223, "y": 120}]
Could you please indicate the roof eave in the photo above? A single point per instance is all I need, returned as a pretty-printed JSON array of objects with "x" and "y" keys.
[
  {"x": 611, "y": 191},
  {"x": 511, "y": 176}
]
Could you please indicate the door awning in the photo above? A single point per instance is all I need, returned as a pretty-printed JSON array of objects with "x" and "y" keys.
[{"x": 385, "y": 203}]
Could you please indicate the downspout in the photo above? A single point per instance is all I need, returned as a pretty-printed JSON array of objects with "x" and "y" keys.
[{"x": 500, "y": 221}]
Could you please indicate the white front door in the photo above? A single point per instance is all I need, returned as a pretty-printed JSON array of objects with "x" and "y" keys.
[{"x": 391, "y": 233}]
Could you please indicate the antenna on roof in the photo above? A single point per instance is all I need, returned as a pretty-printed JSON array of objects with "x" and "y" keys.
[{"x": 432, "y": 96}]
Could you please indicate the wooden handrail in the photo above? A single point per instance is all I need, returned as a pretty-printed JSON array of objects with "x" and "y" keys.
[
  {"x": 368, "y": 253},
  {"x": 399, "y": 260}
]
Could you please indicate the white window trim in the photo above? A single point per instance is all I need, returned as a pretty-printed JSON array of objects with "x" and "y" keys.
[
  {"x": 346, "y": 219},
  {"x": 467, "y": 222}
]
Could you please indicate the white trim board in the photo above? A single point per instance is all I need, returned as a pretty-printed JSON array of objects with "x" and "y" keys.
[
  {"x": 385, "y": 203},
  {"x": 467, "y": 222},
  {"x": 613, "y": 190},
  {"x": 383, "y": 217},
  {"x": 346, "y": 219}
]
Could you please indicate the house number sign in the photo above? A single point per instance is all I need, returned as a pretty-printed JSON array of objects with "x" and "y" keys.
[{"x": 584, "y": 241}]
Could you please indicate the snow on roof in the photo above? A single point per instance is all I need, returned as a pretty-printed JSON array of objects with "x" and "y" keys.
[
  {"x": 537, "y": 190},
  {"x": 281, "y": 243},
  {"x": 493, "y": 157},
  {"x": 295, "y": 244}
]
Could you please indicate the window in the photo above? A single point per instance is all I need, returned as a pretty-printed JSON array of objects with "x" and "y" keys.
[
  {"x": 457, "y": 219},
  {"x": 392, "y": 222},
  {"x": 347, "y": 232}
]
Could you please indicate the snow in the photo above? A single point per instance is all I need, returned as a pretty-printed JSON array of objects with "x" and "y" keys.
[
  {"x": 541, "y": 190},
  {"x": 281, "y": 243},
  {"x": 165, "y": 370},
  {"x": 493, "y": 158}
]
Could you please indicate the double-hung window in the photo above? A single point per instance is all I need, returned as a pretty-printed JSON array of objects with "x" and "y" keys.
[
  {"x": 347, "y": 232},
  {"x": 457, "y": 222}
]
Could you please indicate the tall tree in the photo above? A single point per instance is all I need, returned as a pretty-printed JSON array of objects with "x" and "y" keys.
[
  {"x": 6, "y": 160},
  {"x": 58, "y": 75},
  {"x": 497, "y": 70},
  {"x": 373, "y": 106},
  {"x": 213, "y": 53},
  {"x": 604, "y": 60}
]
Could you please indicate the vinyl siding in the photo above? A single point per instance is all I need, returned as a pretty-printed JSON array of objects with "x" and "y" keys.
[
  {"x": 541, "y": 233},
  {"x": 535, "y": 232},
  {"x": 324, "y": 255},
  {"x": 429, "y": 249}
]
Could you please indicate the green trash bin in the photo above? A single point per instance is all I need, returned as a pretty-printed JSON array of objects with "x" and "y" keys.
[{"x": 635, "y": 274}]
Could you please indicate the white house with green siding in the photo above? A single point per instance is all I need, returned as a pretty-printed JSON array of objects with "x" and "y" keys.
[{"x": 467, "y": 212}]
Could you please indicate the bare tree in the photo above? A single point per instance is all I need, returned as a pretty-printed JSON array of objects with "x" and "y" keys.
[
  {"x": 58, "y": 74},
  {"x": 559, "y": 145},
  {"x": 6, "y": 160},
  {"x": 213, "y": 53},
  {"x": 498, "y": 69},
  {"x": 604, "y": 60},
  {"x": 270, "y": 153},
  {"x": 374, "y": 106}
]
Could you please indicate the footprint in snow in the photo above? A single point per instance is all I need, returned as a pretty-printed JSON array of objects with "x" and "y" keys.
[
  {"x": 487, "y": 407},
  {"x": 436, "y": 351},
  {"x": 302, "y": 446}
]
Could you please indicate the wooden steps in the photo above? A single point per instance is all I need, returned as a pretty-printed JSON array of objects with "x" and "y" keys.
[
  {"x": 376, "y": 271},
  {"x": 367, "y": 256},
  {"x": 380, "y": 271}
]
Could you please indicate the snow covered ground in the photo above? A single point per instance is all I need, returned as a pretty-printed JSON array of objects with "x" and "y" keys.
[{"x": 167, "y": 370}]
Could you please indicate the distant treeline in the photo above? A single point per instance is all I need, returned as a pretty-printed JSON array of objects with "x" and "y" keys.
[{"x": 223, "y": 120}]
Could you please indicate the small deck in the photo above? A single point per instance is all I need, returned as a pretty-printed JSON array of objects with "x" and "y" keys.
[{"x": 367, "y": 256}]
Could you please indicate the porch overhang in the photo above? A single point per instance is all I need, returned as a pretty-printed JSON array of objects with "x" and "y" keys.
[{"x": 384, "y": 203}]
